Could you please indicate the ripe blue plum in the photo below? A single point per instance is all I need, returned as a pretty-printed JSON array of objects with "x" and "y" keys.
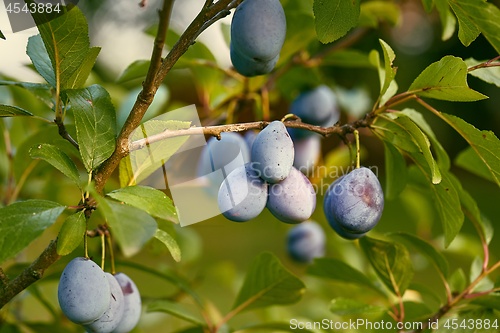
[
  {"x": 243, "y": 194},
  {"x": 83, "y": 291},
  {"x": 333, "y": 223},
  {"x": 317, "y": 107},
  {"x": 273, "y": 152},
  {"x": 258, "y": 31},
  {"x": 306, "y": 241},
  {"x": 355, "y": 202},
  {"x": 293, "y": 200},
  {"x": 307, "y": 153},
  {"x": 132, "y": 304},
  {"x": 109, "y": 321},
  {"x": 250, "y": 138},
  {"x": 220, "y": 157}
]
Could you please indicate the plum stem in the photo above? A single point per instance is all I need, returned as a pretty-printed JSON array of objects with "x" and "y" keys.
[
  {"x": 356, "y": 136},
  {"x": 103, "y": 251}
]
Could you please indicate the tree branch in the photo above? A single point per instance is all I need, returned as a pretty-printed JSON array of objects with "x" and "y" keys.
[
  {"x": 157, "y": 72},
  {"x": 30, "y": 275}
]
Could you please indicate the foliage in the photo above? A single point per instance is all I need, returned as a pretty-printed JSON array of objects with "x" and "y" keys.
[{"x": 61, "y": 145}]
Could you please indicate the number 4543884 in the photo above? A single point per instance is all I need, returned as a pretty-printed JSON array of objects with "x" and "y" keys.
[
  {"x": 31, "y": 8},
  {"x": 473, "y": 324}
]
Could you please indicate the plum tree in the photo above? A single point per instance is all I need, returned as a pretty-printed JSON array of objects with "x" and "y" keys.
[
  {"x": 83, "y": 291},
  {"x": 223, "y": 155},
  {"x": 109, "y": 321},
  {"x": 317, "y": 107},
  {"x": 306, "y": 241},
  {"x": 273, "y": 152},
  {"x": 132, "y": 304},
  {"x": 292, "y": 200},
  {"x": 307, "y": 153},
  {"x": 243, "y": 194},
  {"x": 354, "y": 202},
  {"x": 258, "y": 30}
]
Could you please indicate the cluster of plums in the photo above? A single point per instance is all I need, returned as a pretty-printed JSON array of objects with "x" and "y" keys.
[
  {"x": 268, "y": 180},
  {"x": 99, "y": 301},
  {"x": 258, "y": 32}
]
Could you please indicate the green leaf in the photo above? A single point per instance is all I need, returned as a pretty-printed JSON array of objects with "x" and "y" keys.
[
  {"x": 71, "y": 233},
  {"x": 13, "y": 111},
  {"x": 58, "y": 159},
  {"x": 445, "y": 79},
  {"x": 22, "y": 222},
  {"x": 176, "y": 310},
  {"x": 446, "y": 201},
  {"x": 170, "y": 243},
  {"x": 485, "y": 144},
  {"x": 471, "y": 210},
  {"x": 81, "y": 74},
  {"x": 268, "y": 283},
  {"x": 448, "y": 21},
  {"x": 337, "y": 270},
  {"x": 38, "y": 54},
  {"x": 67, "y": 44},
  {"x": 389, "y": 72},
  {"x": 475, "y": 16},
  {"x": 131, "y": 227},
  {"x": 136, "y": 70},
  {"x": 457, "y": 281},
  {"x": 424, "y": 248},
  {"x": 443, "y": 159},
  {"x": 95, "y": 122},
  {"x": 334, "y": 18},
  {"x": 150, "y": 158},
  {"x": 391, "y": 262},
  {"x": 487, "y": 74},
  {"x": 40, "y": 90},
  {"x": 488, "y": 301},
  {"x": 149, "y": 199},
  {"x": 347, "y": 306},
  {"x": 395, "y": 171},
  {"x": 399, "y": 130},
  {"x": 375, "y": 12}
]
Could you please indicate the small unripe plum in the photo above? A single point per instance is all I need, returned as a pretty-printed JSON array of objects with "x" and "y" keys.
[
  {"x": 220, "y": 157},
  {"x": 316, "y": 107},
  {"x": 293, "y": 200},
  {"x": 243, "y": 194},
  {"x": 273, "y": 153},
  {"x": 83, "y": 291},
  {"x": 307, "y": 152},
  {"x": 258, "y": 30},
  {"x": 306, "y": 241},
  {"x": 355, "y": 201},
  {"x": 109, "y": 321},
  {"x": 132, "y": 304}
]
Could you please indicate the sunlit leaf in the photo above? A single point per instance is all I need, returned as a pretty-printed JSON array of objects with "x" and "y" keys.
[
  {"x": 58, "y": 159},
  {"x": 445, "y": 80},
  {"x": 22, "y": 222},
  {"x": 335, "y": 18},
  {"x": 395, "y": 171},
  {"x": 347, "y": 306},
  {"x": 487, "y": 74},
  {"x": 170, "y": 243},
  {"x": 71, "y": 233},
  {"x": 151, "y": 200}
]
